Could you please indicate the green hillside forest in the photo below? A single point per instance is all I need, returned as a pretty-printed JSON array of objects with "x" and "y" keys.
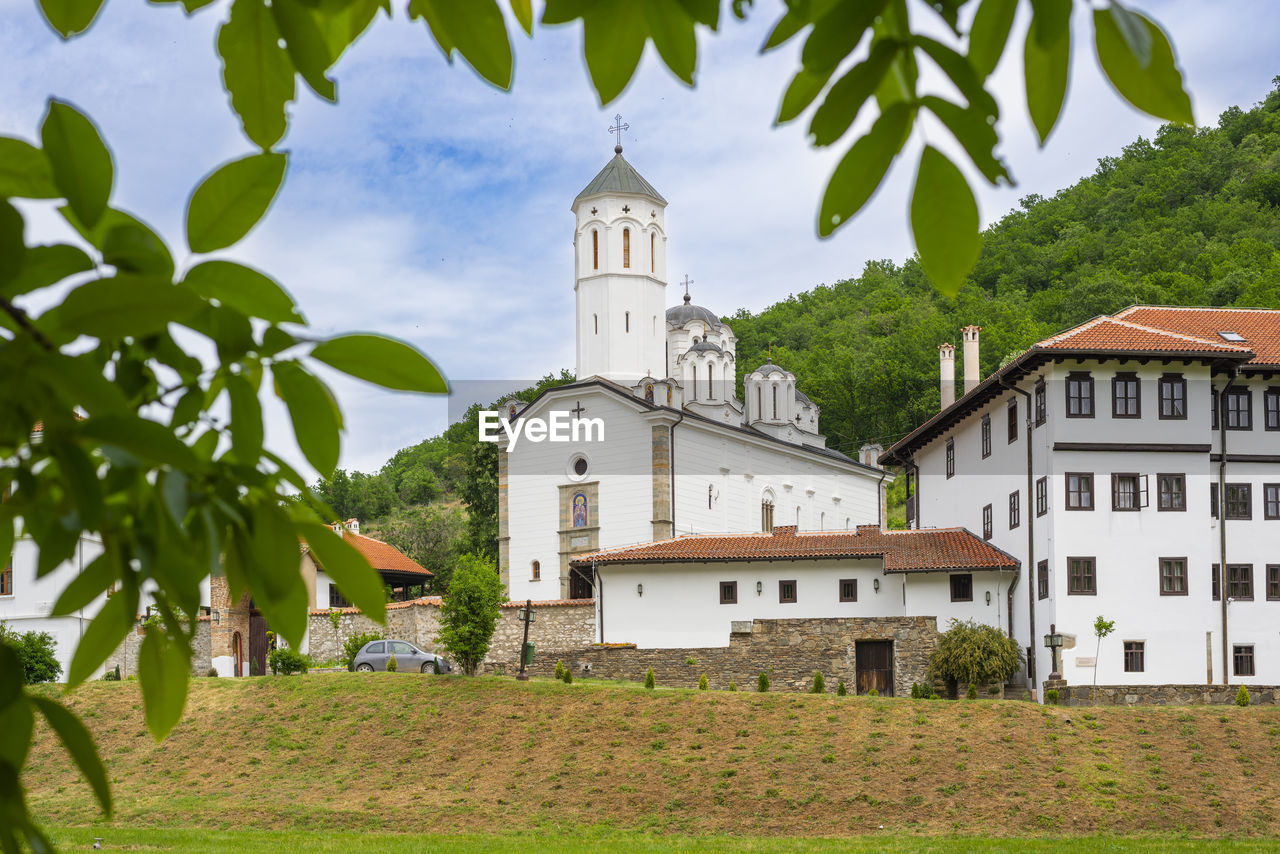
[{"x": 1191, "y": 217}]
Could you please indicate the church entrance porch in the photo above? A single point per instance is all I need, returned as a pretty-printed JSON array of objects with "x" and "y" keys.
[{"x": 874, "y": 667}]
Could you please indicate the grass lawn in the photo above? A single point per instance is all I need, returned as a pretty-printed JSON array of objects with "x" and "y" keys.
[{"x": 304, "y": 762}]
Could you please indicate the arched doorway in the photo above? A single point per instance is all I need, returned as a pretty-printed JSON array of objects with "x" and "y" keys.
[{"x": 237, "y": 654}]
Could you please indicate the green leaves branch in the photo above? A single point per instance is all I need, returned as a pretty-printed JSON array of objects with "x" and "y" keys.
[{"x": 134, "y": 445}]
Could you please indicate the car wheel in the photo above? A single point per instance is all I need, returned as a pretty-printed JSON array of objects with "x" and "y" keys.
[
  {"x": 365, "y": 668},
  {"x": 427, "y": 668}
]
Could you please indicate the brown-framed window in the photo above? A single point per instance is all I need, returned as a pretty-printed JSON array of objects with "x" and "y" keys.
[
  {"x": 1040, "y": 402},
  {"x": 1173, "y": 576},
  {"x": 1082, "y": 579},
  {"x": 1042, "y": 495},
  {"x": 1239, "y": 501},
  {"x": 1126, "y": 491},
  {"x": 1135, "y": 654},
  {"x": 986, "y": 522},
  {"x": 951, "y": 458},
  {"x": 1240, "y": 581},
  {"x": 1079, "y": 394},
  {"x": 1015, "y": 509},
  {"x": 1079, "y": 490},
  {"x": 1217, "y": 582},
  {"x": 1173, "y": 397},
  {"x": 986, "y": 436},
  {"x": 1012, "y": 418},
  {"x": 653, "y": 250},
  {"x": 848, "y": 590},
  {"x": 961, "y": 587},
  {"x": 1242, "y": 659},
  {"x": 787, "y": 591},
  {"x": 1238, "y": 408},
  {"x": 1273, "y": 582},
  {"x": 6, "y": 580},
  {"x": 1126, "y": 396},
  {"x": 728, "y": 593},
  {"x": 336, "y": 599},
  {"x": 535, "y": 571},
  {"x": 1213, "y": 500},
  {"x": 626, "y": 247},
  {"x": 1042, "y": 579},
  {"x": 1271, "y": 409},
  {"x": 1271, "y": 501},
  {"x": 595, "y": 249},
  {"x": 1172, "y": 489}
]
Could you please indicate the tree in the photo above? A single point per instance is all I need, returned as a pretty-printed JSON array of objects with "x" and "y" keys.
[
  {"x": 37, "y": 652},
  {"x": 976, "y": 653},
  {"x": 1101, "y": 628},
  {"x": 469, "y": 612}
]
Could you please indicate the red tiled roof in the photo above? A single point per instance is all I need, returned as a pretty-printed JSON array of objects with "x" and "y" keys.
[
  {"x": 919, "y": 550},
  {"x": 1260, "y": 328},
  {"x": 436, "y": 600},
  {"x": 1108, "y": 334},
  {"x": 384, "y": 557}
]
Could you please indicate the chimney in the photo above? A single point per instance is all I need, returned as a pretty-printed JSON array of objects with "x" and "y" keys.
[
  {"x": 947, "y": 368},
  {"x": 971, "y": 368},
  {"x": 869, "y": 454},
  {"x": 353, "y": 525}
]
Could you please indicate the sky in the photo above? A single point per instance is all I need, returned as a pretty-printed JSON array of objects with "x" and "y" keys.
[{"x": 430, "y": 206}]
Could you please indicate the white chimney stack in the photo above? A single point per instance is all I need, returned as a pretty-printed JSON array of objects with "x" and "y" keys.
[
  {"x": 947, "y": 371},
  {"x": 971, "y": 367},
  {"x": 869, "y": 454}
]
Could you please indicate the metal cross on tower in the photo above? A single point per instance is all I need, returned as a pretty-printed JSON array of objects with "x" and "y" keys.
[
  {"x": 618, "y": 128},
  {"x": 687, "y": 282}
]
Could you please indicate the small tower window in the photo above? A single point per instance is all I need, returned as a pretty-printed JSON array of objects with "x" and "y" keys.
[
  {"x": 595, "y": 249},
  {"x": 653, "y": 252},
  {"x": 759, "y": 405},
  {"x": 628, "y": 321},
  {"x": 595, "y": 318},
  {"x": 775, "y": 403},
  {"x": 710, "y": 393},
  {"x": 626, "y": 247},
  {"x": 695, "y": 382},
  {"x": 536, "y": 571}
]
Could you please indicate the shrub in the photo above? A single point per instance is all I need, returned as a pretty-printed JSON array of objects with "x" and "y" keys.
[
  {"x": 993, "y": 690},
  {"x": 284, "y": 661},
  {"x": 212, "y": 673},
  {"x": 972, "y": 693},
  {"x": 1242, "y": 696},
  {"x": 392, "y": 664},
  {"x": 649, "y": 681},
  {"x": 560, "y": 669},
  {"x": 702, "y": 682},
  {"x": 923, "y": 691},
  {"x": 762, "y": 683},
  {"x": 1051, "y": 697},
  {"x": 841, "y": 691},
  {"x": 873, "y": 693},
  {"x": 568, "y": 676},
  {"x": 819, "y": 684},
  {"x": 691, "y": 661},
  {"x": 335, "y": 617},
  {"x": 978, "y": 654},
  {"x": 113, "y": 675},
  {"x": 36, "y": 651},
  {"x": 469, "y": 611},
  {"x": 351, "y": 647},
  {"x": 915, "y": 690},
  {"x": 733, "y": 686}
]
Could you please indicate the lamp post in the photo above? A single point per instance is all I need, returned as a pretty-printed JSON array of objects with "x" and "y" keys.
[
  {"x": 1053, "y": 642},
  {"x": 526, "y": 616}
]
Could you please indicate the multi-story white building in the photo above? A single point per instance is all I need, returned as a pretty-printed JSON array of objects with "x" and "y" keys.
[{"x": 1123, "y": 462}]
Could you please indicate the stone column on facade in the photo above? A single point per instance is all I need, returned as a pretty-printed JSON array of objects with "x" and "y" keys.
[{"x": 660, "y": 444}]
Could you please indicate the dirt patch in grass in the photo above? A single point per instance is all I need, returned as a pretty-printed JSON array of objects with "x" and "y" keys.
[{"x": 447, "y": 754}]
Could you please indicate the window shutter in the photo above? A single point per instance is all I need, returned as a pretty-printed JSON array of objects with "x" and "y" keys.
[{"x": 1144, "y": 494}]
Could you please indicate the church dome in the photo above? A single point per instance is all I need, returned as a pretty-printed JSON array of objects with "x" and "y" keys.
[
  {"x": 705, "y": 346},
  {"x": 619, "y": 176},
  {"x": 681, "y": 314},
  {"x": 768, "y": 368},
  {"x": 803, "y": 398}
]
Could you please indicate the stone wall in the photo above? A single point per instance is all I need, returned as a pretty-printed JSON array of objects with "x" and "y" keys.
[
  {"x": 126, "y": 657},
  {"x": 1164, "y": 695},
  {"x": 789, "y": 650}
]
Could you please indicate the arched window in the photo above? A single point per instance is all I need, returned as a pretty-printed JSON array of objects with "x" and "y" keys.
[
  {"x": 710, "y": 392},
  {"x": 595, "y": 249},
  {"x": 710, "y": 490},
  {"x": 759, "y": 405},
  {"x": 797, "y": 517},
  {"x": 595, "y": 318},
  {"x": 653, "y": 252},
  {"x": 766, "y": 513},
  {"x": 847, "y": 520},
  {"x": 535, "y": 571},
  {"x": 695, "y": 382},
  {"x": 626, "y": 247},
  {"x": 822, "y": 521},
  {"x": 628, "y": 321},
  {"x": 775, "y": 403}
]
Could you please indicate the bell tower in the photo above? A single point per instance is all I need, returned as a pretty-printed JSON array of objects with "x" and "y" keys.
[{"x": 620, "y": 274}]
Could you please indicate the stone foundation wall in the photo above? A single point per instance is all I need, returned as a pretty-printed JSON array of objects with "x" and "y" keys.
[
  {"x": 1164, "y": 695},
  {"x": 789, "y": 650},
  {"x": 126, "y": 657}
]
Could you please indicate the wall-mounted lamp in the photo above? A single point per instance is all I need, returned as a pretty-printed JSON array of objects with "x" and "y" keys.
[
  {"x": 988, "y": 597},
  {"x": 759, "y": 587},
  {"x": 217, "y": 615},
  {"x": 639, "y": 589},
  {"x": 875, "y": 584}
]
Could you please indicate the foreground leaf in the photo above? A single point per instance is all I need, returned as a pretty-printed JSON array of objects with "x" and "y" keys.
[
  {"x": 121, "y": 306},
  {"x": 79, "y": 743},
  {"x": 81, "y": 162},
  {"x": 69, "y": 17},
  {"x": 475, "y": 29},
  {"x": 944, "y": 221},
  {"x": 163, "y": 670},
  {"x": 248, "y": 291},
  {"x": 46, "y": 265},
  {"x": 102, "y": 636},
  {"x": 315, "y": 416},
  {"x": 256, "y": 71},
  {"x": 383, "y": 361},
  {"x": 231, "y": 199},
  {"x": 25, "y": 172},
  {"x": 348, "y": 568},
  {"x": 860, "y": 172},
  {"x": 1046, "y": 62},
  {"x": 613, "y": 34},
  {"x": 989, "y": 34},
  {"x": 1155, "y": 87},
  {"x": 850, "y": 92},
  {"x": 671, "y": 29},
  {"x": 13, "y": 245},
  {"x": 305, "y": 44}
]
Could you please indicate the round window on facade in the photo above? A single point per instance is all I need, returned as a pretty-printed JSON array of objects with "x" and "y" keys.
[{"x": 579, "y": 467}]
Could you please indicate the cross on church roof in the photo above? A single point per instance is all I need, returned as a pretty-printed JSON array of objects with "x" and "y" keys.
[
  {"x": 687, "y": 282},
  {"x": 578, "y": 410},
  {"x": 618, "y": 128}
]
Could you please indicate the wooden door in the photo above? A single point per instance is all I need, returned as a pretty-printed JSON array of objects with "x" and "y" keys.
[
  {"x": 580, "y": 584},
  {"x": 257, "y": 644},
  {"x": 875, "y": 666}
]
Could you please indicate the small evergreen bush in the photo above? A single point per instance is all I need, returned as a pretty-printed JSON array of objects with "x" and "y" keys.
[
  {"x": 993, "y": 690},
  {"x": 649, "y": 681},
  {"x": 702, "y": 682},
  {"x": 212, "y": 673},
  {"x": 113, "y": 675},
  {"x": 733, "y": 686},
  {"x": 972, "y": 693},
  {"x": 841, "y": 691},
  {"x": 560, "y": 669},
  {"x": 568, "y": 676},
  {"x": 915, "y": 690},
  {"x": 819, "y": 684},
  {"x": 1051, "y": 697},
  {"x": 284, "y": 661},
  {"x": 1242, "y": 697},
  {"x": 392, "y": 664},
  {"x": 873, "y": 693},
  {"x": 762, "y": 683}
]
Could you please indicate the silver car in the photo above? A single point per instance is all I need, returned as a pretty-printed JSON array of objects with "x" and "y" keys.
[{"x": 374, "y": 655}]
